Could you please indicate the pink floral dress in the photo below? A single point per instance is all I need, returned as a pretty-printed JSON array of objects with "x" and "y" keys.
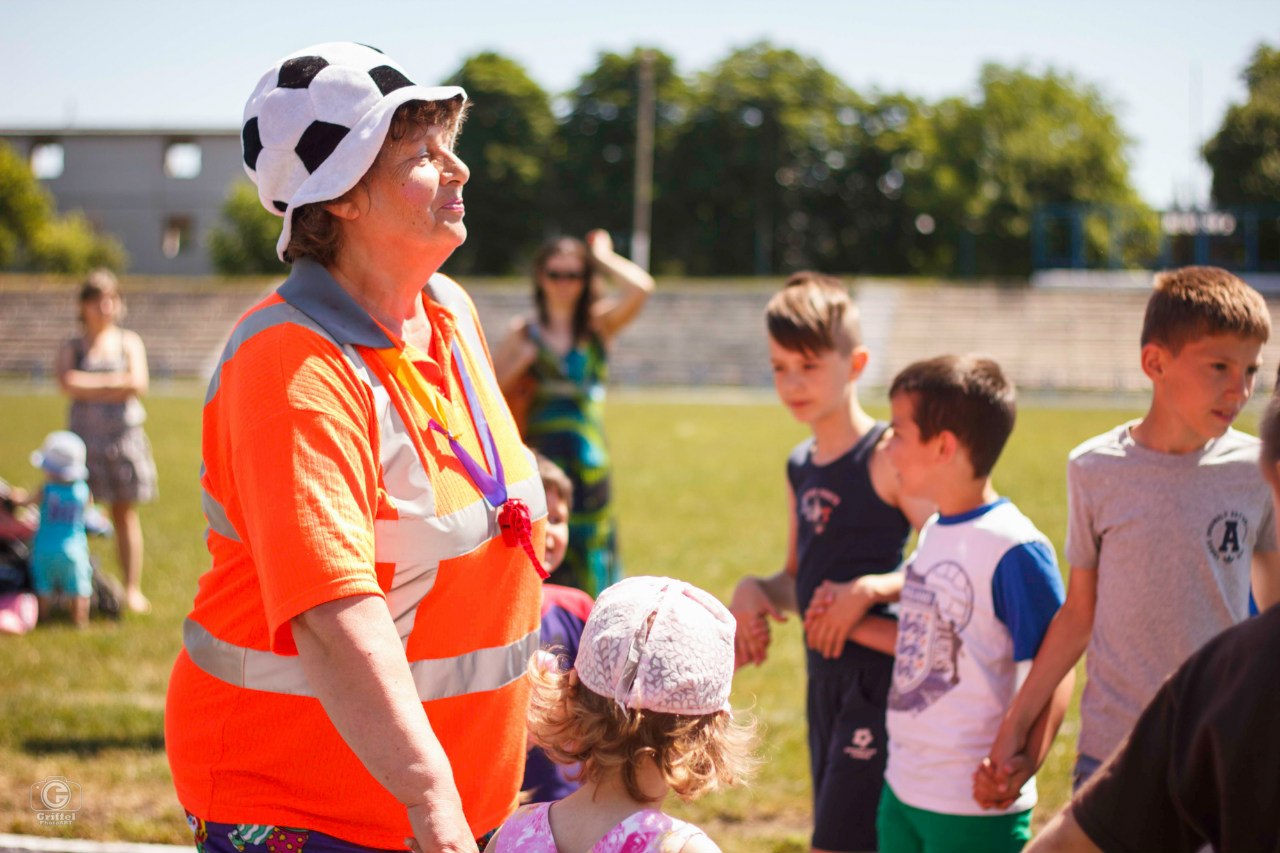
[{"x": 648, "y": 831}]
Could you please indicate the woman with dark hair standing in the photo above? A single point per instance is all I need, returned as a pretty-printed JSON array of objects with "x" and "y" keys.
[
  {"x": 104, "y": 371},
  {"x": 553, "y": 367}
]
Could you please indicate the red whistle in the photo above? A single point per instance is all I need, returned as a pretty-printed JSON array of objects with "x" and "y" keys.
[{"x": 517, "y": 529}]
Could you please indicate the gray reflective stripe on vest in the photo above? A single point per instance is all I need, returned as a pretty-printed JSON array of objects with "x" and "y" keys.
[
  {"x": 260, "y": 321},
  {"x": 439, "y": 678},
  {"x": 450, "y": 294},
  {"x": 214, "y": 515},
  {"x": 257, "y": 322}
]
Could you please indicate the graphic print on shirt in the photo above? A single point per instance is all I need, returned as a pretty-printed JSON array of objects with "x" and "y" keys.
[
  {"x": 62, "y": 509},
  {"x": 816, "y": 506},
  {"x": 936, "y": 606},
  {"x": 1227, "y": 536},
  {"x": 861, "y": 745}
]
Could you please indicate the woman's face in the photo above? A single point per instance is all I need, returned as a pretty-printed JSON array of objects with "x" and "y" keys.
[
  {"x": 562, "y": 277},
  {"x": 102, "y": 310},
  {"x": 413, "y": 195}
]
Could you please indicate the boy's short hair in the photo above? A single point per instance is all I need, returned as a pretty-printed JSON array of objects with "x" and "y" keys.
[
  {"x": 967, "y": 396},
  {"x": 814, "y": 314},
  {"x": 554, "y": 477},
  {"x": 1195, "y": 302}
]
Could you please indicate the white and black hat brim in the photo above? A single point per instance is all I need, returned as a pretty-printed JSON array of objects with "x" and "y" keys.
[{"x": 316, "y": 121}]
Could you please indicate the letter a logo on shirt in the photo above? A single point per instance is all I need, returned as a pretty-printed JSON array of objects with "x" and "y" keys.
[
  {"x": 1227, "y": 536},
  {"x": 1230, "y": 537}
]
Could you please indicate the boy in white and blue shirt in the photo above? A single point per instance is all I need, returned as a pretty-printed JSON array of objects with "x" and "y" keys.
[{"x": 976, "y": 599}]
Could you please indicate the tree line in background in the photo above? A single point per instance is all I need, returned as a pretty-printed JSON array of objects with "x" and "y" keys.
[
  {"x": 769, "y": 162},
  {"x": 763, "y": 163}
]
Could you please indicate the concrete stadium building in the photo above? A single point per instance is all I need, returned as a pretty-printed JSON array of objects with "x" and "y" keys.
[{"x": 158, "y": 191}]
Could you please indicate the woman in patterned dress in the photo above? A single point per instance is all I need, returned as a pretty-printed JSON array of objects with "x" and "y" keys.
[
  {"x": 553, "y": 367},
  {"x": 104, "y": 372}
]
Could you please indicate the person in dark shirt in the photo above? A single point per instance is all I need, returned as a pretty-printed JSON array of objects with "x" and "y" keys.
[{"x": 848, "y": 526}]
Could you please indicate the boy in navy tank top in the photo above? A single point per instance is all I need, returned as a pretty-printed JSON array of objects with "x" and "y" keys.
[{"x": 848, "y": 524}]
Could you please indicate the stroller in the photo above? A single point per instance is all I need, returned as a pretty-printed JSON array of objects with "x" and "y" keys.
[{"x": 17, "y": 600}]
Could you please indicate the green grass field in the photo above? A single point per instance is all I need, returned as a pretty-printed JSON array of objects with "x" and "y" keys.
[{"x": 700, "y": 494}]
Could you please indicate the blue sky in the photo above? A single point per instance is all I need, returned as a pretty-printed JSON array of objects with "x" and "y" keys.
[{"x": 1171, "y": 68}]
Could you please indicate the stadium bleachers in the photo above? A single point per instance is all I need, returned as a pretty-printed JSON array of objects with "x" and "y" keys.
[{"x": 691, "y": 334}]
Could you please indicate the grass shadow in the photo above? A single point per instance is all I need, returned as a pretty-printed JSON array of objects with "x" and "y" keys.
[{"x": 93, "y": 745}]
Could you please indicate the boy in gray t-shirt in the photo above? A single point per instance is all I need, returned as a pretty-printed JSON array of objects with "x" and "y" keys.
[
  {"x": 1168, "y": 539},
  {"x": 1166, "y": 518}
]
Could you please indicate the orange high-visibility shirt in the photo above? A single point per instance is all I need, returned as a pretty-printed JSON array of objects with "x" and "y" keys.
[{"x": 321, "y": 481}]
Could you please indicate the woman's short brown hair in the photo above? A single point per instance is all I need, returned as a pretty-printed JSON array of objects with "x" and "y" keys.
[
  {"x": 317, "y": 233},
  {"x": 98, "y": 283},
  {"x": 695, "y": 754}
]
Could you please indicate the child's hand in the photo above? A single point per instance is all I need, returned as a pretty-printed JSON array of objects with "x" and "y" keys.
[
  {"x": 834, "y": 610},
  {"x": 998, "y": 786},
  {"x": 750, "y": 640},
  {"x": 750, "y": 607},
  {"x": 1008, "y": 743}
]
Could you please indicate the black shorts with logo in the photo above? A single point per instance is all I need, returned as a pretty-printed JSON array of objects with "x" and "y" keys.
[{"x": 848, "y": 749}]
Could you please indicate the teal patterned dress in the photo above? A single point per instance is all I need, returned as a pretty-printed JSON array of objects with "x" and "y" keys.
[{"x": 566, "y": 424}]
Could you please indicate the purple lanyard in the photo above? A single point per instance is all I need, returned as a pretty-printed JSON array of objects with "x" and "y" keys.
[
  {"x": 513, "y": 515},
  {"x": 492, "y": 486}
]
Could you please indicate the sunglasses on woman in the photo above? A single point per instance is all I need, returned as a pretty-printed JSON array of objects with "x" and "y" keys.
[{"x": 562, "y": 275}]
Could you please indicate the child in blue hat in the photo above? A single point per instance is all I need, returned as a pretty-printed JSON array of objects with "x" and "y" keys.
[{"x": 60, "y": 551}]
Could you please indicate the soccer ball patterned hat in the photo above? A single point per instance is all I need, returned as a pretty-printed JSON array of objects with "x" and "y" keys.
[
  {"x": 317, "y": 120},
  {"x": 658, "y": 644}
]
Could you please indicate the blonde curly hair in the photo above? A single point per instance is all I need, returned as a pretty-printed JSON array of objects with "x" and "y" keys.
[{"x": 695, "y": 754}]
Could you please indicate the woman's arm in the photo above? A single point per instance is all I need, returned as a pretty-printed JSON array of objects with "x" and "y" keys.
[
  {"x": 104, "y": 387},
  {"x": 355, "y": 664},
  {"x": 513, "y": 355},
  {"x": 137, "y": 378},
  {"x": 615, "y": 312}
]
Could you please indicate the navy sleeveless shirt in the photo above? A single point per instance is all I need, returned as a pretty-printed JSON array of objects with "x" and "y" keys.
[{"x": 843, "y": 531}]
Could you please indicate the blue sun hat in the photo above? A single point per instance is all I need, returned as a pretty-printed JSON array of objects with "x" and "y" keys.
[
  {"x": 62, "y": 455},
  {"x": 317, "y": 120}
]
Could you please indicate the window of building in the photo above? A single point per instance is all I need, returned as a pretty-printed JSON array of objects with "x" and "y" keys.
[
  {"x": 178, "y": 233},
  {"x": 182, "y": 160},
  {"x": 47, "y": 160}
]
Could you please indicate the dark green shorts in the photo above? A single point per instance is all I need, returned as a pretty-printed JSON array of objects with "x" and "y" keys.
[{"x": 906, "y": 829}]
